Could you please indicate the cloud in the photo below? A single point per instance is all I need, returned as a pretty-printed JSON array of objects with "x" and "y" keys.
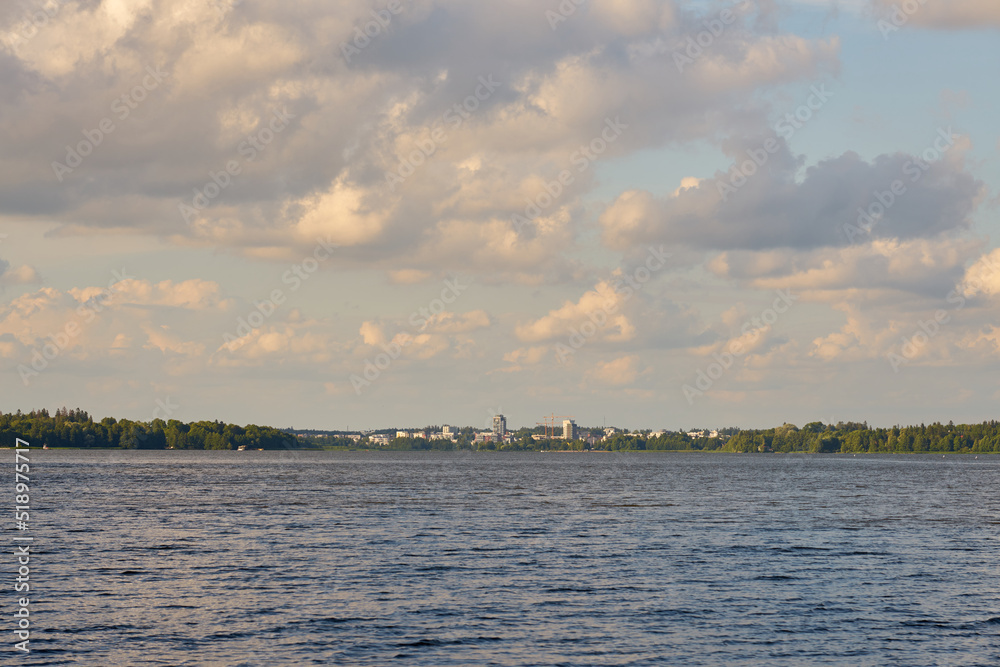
[
  {"x": 161, "y": 338},
  {"x": 290, "y": 345},
  {"x": 205, "y": 126},
  {"x": 22, "y": 275},
  {"x": 751, "y": 339},
  {"x": 74, "y": 34},
  {"x": 193, "y": 294},
  {"x": 983, "y": 277},
  {"x": 929, "y": 268},
  {"x": 409, "y": 276},
  {"x": 346, "y": 214},
  {"x": 163, "y": 327},
  {"x": 528, "y": 356},
  {"x": 617, "y": 372},
  {"x": 449, "y": 322},
  {"x": 830, "y": 206},
  {"x": 859, "y": 338},
  {"x": 604, "y": 301},
  {"x": 954, "y": 14},
  {"x": 372, "y": 333},
  {"x": 982, "y": 343}
]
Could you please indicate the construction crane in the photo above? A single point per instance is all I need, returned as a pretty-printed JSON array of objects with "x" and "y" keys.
[{"x": 550, "y": 422}]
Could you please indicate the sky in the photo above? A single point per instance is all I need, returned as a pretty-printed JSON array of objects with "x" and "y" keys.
[{"x": 345, "y": 214}]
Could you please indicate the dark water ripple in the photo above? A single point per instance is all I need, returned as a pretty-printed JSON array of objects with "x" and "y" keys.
[{"x": 284, "y": 558}]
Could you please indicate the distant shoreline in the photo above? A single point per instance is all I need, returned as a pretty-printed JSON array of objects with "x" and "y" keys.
[
  {"x": 519, "y": 451},
  {"x": 77, "y": 430}
]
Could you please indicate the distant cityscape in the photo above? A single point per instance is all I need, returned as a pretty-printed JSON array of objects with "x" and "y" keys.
[{"x": 499, "y": 434}]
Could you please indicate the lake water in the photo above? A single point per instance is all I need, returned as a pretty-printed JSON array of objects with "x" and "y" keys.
[{"x": 288, "y": 558}]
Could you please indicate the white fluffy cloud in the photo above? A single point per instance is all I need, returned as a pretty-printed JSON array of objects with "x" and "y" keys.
[
  {"x": 479, "y": 138},
  {"x": 98, "y": 331},
  {"x": 601, "y": 306},
  {"x": 983, "y": 277}
]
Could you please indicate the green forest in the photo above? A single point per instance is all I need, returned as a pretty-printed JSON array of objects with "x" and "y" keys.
[
  {"x": 76, "y": 428},
  {"x": 860, "y": 438}
]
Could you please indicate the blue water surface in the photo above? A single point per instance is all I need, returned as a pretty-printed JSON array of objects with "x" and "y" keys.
[{"x": 461, "y": 558}]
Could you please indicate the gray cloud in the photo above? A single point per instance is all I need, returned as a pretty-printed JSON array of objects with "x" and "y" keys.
[{"x": 827, "y": 207}]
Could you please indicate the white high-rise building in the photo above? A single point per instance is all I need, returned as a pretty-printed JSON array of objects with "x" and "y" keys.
[
  {"x": 569, "y": 429},
  {"x": 499, "y": 427}
]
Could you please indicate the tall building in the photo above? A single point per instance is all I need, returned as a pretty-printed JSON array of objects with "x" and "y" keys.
[
  {"x": 569, "y": 429},
  {"x": 499, "y": 427}
]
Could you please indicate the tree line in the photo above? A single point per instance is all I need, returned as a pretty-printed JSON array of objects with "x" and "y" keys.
[
  {"x": 852, "y": 437},
  {"x": 76, "y": 428}
]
